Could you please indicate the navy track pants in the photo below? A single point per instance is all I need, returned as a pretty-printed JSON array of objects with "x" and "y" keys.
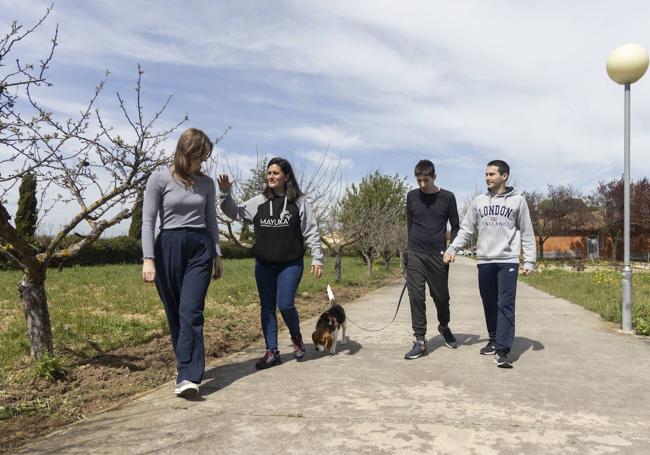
[{"x": 498, "y": 285}]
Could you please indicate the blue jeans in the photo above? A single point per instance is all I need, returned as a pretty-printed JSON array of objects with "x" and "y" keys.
[
  {"x": 277, "y": 285},
  {"x": 498, "y": 285}
]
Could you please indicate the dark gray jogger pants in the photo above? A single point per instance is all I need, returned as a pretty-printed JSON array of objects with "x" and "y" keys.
[{"x": 428, "y": 269}]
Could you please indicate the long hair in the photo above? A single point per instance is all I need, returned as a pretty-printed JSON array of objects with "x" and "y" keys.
[
  {"x": 193, "y": 145},
  {"x": 292, "y": 189}
]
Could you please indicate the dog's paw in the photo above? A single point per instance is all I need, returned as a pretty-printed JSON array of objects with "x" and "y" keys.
[{"x": 344, "y": 340}]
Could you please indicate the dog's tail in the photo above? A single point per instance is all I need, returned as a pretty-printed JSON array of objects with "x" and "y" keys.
[{"x": 330, "y": 295}]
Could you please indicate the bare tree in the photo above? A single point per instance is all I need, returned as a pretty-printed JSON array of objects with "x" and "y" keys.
[
  {"x": 375, "y": 210},
  {"x": 608, "y": 199},
  {"x": 561, "y": 210},
  {"x": 337, "y": 238},
  {"x": 467, "y": 204},
  {"x": 392, "y": 242},
  {"x": 82, "y": 161},
  {"x": 323, "y": 188},
  {"x": 236, "y": 231}
]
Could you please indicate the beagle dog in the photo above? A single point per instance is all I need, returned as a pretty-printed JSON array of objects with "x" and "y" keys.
[{"x": 329, "y": 324}]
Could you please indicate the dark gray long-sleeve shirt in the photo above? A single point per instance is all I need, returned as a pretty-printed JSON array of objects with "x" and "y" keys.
[
  {"x": 427, "y": 216},
  {"x": 178, "y": 207}
]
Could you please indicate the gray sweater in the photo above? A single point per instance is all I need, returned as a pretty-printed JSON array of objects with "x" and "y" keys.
[
  {"x": 178, "y": 207},
  {"x": 504, "y": 228}
]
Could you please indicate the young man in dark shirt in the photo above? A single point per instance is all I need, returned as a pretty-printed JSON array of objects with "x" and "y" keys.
[{"x": 428, "y": 209}]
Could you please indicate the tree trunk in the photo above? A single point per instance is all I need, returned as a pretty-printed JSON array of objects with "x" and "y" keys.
[
  {"x": 615, "y": 248},
  {"x": 37, "y": 315},
  {"x": 369, "y": 260},
  {"x": 541, "y": 248},
  {"x": 387, "y": 258},
  {"x": 402, "y": 264},
  {"x": 337, "y": 264}
]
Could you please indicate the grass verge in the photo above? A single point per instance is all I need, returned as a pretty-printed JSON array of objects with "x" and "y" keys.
[
  {"x": 111, "y": 339},
  {"x": 598, "y": 291}
]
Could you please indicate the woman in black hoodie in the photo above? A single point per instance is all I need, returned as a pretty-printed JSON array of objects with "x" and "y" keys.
[{"x": 284, "y": 226}]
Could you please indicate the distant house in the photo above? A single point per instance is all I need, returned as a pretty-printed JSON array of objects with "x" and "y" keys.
[
  {"x": 581, "y": 246},
  {"x": 588, "y": 241}
]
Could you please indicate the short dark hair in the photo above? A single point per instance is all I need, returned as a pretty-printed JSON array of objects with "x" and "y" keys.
[
  {"x": 504, "y": 168},
  {"x": 292, "y": 189},
  {"x": 425, "y": 168}
]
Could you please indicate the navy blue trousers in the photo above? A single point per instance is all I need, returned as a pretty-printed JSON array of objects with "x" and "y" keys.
[
  {"x": 184, "y": 260},
  {"x": 277, "y": 285},
  {"x": 498, "y": 286}
]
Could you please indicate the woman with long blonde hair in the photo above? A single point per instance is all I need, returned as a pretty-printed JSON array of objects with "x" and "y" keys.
[{"x": 186, "y": 253}]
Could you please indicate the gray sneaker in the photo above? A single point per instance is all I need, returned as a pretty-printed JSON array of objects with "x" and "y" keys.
[
  {"x": 186, "y": 389},
  {"x": 489, "y": 348},
  {"x": 501, "y": 359},
  {"x": 419, "y": 349}
]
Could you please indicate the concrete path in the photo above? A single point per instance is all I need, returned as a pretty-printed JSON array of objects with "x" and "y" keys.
[{"x": 577, "y": 387}]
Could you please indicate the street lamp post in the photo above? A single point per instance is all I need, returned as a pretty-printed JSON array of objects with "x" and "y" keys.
[{"x": 626, "y": 65}]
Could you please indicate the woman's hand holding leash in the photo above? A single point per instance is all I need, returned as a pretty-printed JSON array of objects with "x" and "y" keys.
[{"x": 317, "y": 271}]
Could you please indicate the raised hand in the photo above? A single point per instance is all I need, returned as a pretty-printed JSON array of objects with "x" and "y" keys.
[{"x": 224, "y": 182}]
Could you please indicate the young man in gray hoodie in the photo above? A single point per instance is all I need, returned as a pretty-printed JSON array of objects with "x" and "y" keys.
[{"x": 504, "y": 228}]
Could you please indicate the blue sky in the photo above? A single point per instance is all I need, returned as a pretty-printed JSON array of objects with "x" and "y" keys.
[{"x": 383, "y": 83}]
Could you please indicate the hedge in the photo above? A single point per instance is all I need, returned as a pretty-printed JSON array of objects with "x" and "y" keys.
[{"x": 122, "y": 250}]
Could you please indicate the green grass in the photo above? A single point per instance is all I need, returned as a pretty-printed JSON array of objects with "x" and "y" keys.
[
  {"x": 95, "y": 309},
  {"x": 598, "y": 291}
]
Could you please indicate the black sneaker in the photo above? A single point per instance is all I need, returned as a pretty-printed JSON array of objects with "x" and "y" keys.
[
  {"x": 501, "y": 359},
  {"x": 419, "y": 349},
  {"x": 450, "y": 339},
  {"x": 488, "y": 349},
  {"x": 298, "y": 347},
  {"x": 270, "y": 359}
]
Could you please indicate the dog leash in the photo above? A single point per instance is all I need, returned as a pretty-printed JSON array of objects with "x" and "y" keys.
[{"x": 399, "y": 302}]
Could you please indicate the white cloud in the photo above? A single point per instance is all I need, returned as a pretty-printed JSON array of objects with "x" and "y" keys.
[
  {"x": 236, "y": 165},
  {"x": 381, "y": 80},
  {"x": 326, "y": 160},
  {"x": 325, "y": 136}
]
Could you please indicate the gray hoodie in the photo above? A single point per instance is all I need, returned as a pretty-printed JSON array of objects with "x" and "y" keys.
[{"x": 504, "y": 227}]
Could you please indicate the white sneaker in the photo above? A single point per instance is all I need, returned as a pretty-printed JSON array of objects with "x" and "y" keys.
[{"x": 186, "y": 389}]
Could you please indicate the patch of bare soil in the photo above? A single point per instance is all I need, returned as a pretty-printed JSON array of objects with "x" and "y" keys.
[{"x": 113, "y": 378}]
